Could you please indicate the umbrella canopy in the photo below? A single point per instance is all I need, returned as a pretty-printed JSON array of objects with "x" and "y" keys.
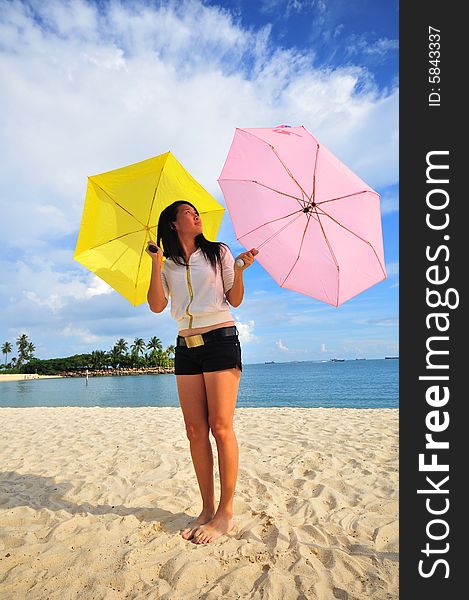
[
  {"x": 121, "y": 213},
  {"x": 319, "y": 223}
]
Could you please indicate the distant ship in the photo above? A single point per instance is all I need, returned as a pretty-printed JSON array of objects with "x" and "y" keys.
[
  {"x": 337, "y": 359},
  {"x": 269, "y": 362},
  {"x": 360, "y": 359},
  {"x": 391, "y": 357}
]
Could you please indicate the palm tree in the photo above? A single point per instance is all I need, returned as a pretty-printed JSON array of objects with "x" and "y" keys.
[
  {"x": 165, "y": 360},
  {"x": 121, "y": 346},
  {"x": 119, "y": 351},
  {"x": 98, "y": 359},
  {"x": 114, "y": 357},
  {"x": 22, "y": 343},
  {"x": 155, "y": 346},
  {"x": 7, "y": 348},
  {"x": 30, "y": 349},
  {"x": 137, "y": 347}
]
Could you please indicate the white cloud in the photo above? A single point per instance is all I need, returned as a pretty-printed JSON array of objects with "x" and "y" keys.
[
  {"x": 83, "y": 334},
  {"x": 323, "y": 348},
  {"x": 246, "y": 331},
  {"x": 378, "y": 48},
  {"x": 75, "y": 17},
  {"x": 52, "y": 301},
  {"x": 40, "y": 275},
  {"x": 282, "y": 346},
  {"x": 98, "y": 287},
  {"x": 288, "y": 7},
  {"x": 381, "y": 46}
]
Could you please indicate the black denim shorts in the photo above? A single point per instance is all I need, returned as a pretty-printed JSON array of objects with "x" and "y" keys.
[{"x": 215, "y": 355}]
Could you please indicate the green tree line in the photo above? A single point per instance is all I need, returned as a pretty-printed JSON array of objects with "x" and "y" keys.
[{"x": 139, "y": 354}]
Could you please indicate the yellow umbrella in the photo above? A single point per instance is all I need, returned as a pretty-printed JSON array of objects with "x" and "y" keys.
[{"x": 121, "y": 213}]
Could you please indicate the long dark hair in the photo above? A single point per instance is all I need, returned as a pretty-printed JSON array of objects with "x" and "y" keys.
[{"x": 168, "y": 239}]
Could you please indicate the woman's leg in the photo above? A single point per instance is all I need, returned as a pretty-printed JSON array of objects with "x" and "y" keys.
[
  {"x": 193, "y": 401},
  {"x": 222, "y": 390}
]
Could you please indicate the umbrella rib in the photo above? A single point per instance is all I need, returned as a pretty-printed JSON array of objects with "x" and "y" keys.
[
  {"x": 287, "y": 169},
  {"x": 118, "y": 258},
  {"x": 273, "y": 221},
  {"x": 348, "y": 196},
  {"x": 152, "y": 202},
  {"x": 115, "y": 238},
  {"x": 356, "y": 235},
  {"x": 333, "y": 257},
  {"x": 300, "y": 200},
  {"x": 275, "y": 152},
  {"x": 313, "y": 195},
  {"x": 117, "y": 203},
  {"x": 154, "y": 194},
  {"x": 147, "y": 233},
  {"x": 267, "y": 223},
  {"x": 279, "y": 231},
  {"x": 308, "y": 215}
]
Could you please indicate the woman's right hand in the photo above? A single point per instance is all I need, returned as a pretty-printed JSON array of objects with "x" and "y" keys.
[{"x": 157, "y": 256}]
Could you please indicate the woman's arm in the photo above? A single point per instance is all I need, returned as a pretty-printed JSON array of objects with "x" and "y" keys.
[
  {"x": 236, "y": 293},
  {"x": 156, "y": 297}
]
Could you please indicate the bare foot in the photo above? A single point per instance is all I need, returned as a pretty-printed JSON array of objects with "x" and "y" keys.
[
  {"x": 204, "y": 517},
  {"x": 219, "y": 525}
]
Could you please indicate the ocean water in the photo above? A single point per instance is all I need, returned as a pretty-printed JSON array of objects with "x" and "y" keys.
[{"x": 349, "y": 384}]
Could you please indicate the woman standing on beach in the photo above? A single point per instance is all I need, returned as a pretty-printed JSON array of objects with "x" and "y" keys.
[{"x": 201, "y": 277}]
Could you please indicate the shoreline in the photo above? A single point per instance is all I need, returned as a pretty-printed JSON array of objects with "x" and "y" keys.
[
  {"x": 24, "y": 376},
  {"x": 97, "y": 373}
]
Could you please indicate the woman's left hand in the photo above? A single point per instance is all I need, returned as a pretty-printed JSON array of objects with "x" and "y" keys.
[{"x": 247, "y": 258}]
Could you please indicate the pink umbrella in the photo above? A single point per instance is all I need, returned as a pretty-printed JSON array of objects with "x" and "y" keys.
[{"x": 319, "y": 223}]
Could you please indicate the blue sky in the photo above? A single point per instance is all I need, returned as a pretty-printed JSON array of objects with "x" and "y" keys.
[{"x": 88, "y": 87}]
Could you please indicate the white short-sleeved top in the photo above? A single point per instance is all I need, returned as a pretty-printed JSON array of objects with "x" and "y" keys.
[{"x": 197, "y": 294}]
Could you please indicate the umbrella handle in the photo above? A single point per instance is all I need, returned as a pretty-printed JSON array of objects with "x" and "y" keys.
[
  {"x": 239, "y": 262},
  {"x": 153, "y": 248}
]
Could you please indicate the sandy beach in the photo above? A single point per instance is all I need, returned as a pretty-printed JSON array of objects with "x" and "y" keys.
[
  {"x": 92, "y": 501},
  {"x": 22, "y": 376}
]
